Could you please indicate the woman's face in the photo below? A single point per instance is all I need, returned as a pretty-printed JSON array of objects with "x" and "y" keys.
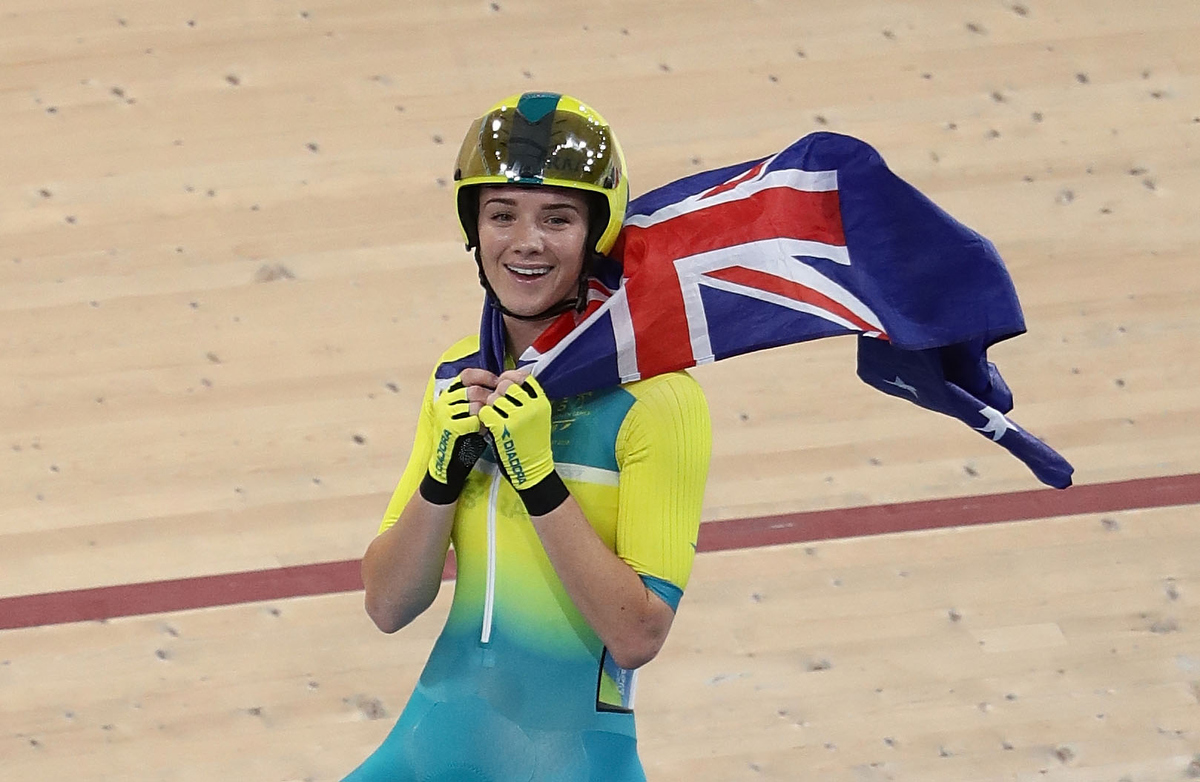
[{"x": 531, "y": 244}]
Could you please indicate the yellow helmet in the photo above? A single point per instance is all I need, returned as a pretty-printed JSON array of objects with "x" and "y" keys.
[{"x": 543, "y": 138}]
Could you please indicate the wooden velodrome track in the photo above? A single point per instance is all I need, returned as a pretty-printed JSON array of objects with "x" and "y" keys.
[{"x": 228, "y": 259}]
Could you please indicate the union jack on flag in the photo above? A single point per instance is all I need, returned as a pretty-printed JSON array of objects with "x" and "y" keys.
[{"x": 819, "y": 240}]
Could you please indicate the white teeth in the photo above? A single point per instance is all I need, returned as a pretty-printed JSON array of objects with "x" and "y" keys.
[{"x": 528, "y": 272}]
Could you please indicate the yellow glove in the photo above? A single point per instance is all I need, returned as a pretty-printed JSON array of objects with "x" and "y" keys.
[
  {"x": 519, "y": 423},
  {"x": 457, "y": 446}
]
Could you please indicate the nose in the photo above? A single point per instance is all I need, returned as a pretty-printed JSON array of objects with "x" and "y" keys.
[{"x": 527, "y": 238}]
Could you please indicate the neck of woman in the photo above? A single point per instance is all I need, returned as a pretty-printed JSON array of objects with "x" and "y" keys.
[{"x": 520, "y": 334}]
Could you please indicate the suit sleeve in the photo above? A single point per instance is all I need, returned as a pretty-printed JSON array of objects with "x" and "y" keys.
[
  {"x": 418, "y": 461},
  {"x": 663, "y": 451}
]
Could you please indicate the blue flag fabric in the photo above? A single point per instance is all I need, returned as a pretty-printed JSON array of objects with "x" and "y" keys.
[{"x": 819, "y": 240}]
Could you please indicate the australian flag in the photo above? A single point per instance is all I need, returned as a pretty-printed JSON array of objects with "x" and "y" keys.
[{"x": 819, "y": 240}]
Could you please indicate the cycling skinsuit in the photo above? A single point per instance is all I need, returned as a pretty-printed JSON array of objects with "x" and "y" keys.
[{"x": 518, "y": 688}]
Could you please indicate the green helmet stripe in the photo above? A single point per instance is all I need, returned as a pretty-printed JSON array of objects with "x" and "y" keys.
[
  {"x": 528, "y": 145},
  {"x": 535, "y": 105}
]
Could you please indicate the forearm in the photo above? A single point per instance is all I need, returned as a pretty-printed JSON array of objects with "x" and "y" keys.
[
  {"x": 630, "y": 620},
  {"x": 402, "y": 567}
]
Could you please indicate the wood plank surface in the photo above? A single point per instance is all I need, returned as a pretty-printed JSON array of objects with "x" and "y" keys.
[
  {"x": 1067, "y": 646},
  {"x": 229, "y": 259}
]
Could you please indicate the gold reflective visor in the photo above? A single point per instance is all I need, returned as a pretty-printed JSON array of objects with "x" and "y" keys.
[{"x": 560, "y": 147}]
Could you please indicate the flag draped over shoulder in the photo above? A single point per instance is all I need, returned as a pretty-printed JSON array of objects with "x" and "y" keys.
[{"x": 819, "y": 240}]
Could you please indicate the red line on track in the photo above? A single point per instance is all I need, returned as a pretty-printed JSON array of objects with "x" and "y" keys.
[
  {"x": 950, "y": 512},
  {"x": 322, "y": 578}
]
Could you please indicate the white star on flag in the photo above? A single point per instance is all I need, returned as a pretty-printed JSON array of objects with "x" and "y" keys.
[
  {"x": 997, "y": 424},
  {"x": 899, "y": 383}
]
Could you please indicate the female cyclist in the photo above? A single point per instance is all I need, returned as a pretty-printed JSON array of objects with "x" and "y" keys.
[{"x": 573, "y": 521}]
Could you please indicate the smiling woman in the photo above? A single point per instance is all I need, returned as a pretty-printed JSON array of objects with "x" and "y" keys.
[
  {"x": 532, "y": 251},
  {"x": 574, "y": 522}
]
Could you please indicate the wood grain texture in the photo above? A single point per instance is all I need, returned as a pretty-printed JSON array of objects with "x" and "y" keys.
[
  {"x": 1064, "y": 648},
  {"x": 228, "y": 260}
]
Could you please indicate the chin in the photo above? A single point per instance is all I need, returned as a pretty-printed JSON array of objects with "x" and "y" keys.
[
  {"x": 527, "y": 302},
  {"x": 527, "y": 309}
]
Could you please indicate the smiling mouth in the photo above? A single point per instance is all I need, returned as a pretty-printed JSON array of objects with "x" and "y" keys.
[{"x": 530, "y": 273}]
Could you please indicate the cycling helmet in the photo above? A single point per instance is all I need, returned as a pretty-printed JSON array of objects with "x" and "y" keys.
[{"x": 544, "y": 138}]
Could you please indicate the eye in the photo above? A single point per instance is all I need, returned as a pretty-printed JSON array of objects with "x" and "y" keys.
[
  {"x": 501, "y": 216},
  {"x": 561, "y": 219}
]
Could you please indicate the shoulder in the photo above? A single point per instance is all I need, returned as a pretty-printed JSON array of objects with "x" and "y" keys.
[
  {"x": 666, "y": 408},
  {"x": 670, "y": 390},
  {"x": 667, "y": 427},
  {"x": 456, "y": 358},
  {"x": 459, "y": 356},
  {"x": 465, "y": 348}
]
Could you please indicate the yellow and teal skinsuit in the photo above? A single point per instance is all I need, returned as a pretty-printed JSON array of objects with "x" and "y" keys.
[{"x": 518, "y": 687}]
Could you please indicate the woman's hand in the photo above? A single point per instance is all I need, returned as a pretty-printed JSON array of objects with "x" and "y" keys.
[
  {"x": 518, "y": 415},
  {"x": 480, "y": 384},
  {"x": 458, "y": 438},
  {"x": 513, "y": 377}
]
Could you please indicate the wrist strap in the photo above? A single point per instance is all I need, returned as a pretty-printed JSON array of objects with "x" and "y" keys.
[
  {"x": 544, "y": 496},
  {"x": 438, "y": 493}
]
